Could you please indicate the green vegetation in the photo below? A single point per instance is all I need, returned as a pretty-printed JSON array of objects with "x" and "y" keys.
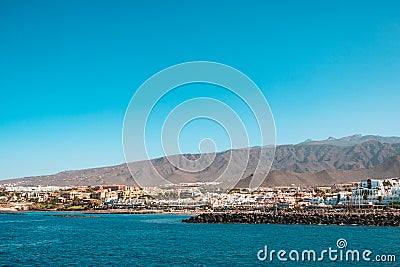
[
  {"x": 395, "y": 205},
  {"x": 50, "y": 206},
  {"x": 76, "y": 208},
  {"x": 387, "y": 183},
  {"x": 319, "y": 192},
  {"x": 44, "y": 206}
]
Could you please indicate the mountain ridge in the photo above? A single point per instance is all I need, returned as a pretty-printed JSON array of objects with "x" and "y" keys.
[
  {"x": 353, "y": 140},
  {"x": 302, "y": 164}
]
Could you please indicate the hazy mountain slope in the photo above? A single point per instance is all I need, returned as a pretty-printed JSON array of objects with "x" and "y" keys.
[
  {"x": 354, "y": 140},
  {"x": 313, "y": 158},
  {"x": 388, "y": 169}
]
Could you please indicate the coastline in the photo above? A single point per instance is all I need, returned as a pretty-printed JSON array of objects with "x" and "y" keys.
[
  {"x": 127, "y": 211},
  {"x": 110, "y": 211},
  {"x": 327, "y": 217}
]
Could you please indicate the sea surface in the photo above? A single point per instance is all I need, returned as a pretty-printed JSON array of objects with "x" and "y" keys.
[{"x": 76, "y": 239}]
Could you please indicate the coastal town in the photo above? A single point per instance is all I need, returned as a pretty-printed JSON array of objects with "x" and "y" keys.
[{"x": 200, "y": 197}]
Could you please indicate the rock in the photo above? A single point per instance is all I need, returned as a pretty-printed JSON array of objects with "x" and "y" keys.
[{"x": 325, "y": 217}]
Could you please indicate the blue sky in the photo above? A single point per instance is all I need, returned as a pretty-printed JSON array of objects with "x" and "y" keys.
[{"x": 68, "y": 69}]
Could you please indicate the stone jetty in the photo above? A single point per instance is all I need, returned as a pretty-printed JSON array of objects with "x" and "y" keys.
[{"x": 373, "y": 218}]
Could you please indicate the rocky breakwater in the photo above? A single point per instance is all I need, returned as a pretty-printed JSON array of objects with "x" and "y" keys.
[{"x": 377, "y": 218}]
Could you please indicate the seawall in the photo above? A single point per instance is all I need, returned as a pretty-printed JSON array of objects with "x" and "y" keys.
[{"x": 377, "y": 218}]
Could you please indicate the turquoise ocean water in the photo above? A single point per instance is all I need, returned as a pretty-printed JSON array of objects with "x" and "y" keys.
[{"x": 42, "y": 239}]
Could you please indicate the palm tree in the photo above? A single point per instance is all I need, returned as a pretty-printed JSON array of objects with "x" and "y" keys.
[{"x": 380, "y": 198}]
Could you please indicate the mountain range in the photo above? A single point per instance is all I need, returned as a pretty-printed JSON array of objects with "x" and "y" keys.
[
  {"x": 354, "y": 140},
  {"x": 311, "y": 163}
]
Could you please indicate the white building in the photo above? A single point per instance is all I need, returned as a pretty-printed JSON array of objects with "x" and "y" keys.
[{"x": 374, "y": 191}]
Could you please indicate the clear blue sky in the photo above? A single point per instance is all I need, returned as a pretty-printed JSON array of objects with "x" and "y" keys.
[{"x": 69, "y": 68}]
